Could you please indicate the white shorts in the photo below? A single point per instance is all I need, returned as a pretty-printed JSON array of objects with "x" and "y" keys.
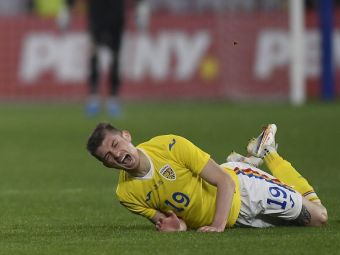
[{"x": 265, "y": 201}]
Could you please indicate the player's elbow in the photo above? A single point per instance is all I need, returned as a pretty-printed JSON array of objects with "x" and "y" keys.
[{"x": 227, "y": 181}]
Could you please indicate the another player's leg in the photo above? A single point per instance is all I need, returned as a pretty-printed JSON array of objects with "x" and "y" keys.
[
  {"x": 264, "y": 146},
  {"x": 93, "y": 103},
  {"x": 113, "y": 102}
]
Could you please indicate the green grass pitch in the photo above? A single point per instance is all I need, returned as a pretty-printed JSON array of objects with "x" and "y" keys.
[{"x": 55, "y": 199}]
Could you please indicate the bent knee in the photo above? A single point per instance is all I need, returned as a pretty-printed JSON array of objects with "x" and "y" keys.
[
  {"x": 323, "y": 217},
  {"x": 313, "y": 214},
  {"x": 320, "y": 218}
]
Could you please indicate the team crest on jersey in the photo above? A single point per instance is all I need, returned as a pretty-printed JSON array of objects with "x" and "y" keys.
[{"x": 168, "y": 173}]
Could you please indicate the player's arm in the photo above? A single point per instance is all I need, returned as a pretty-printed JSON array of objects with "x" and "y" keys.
[
  {"x": 168, "y": 222},
  {"x": 164, "y": 222},
  {"x": 215, "y": 175}
]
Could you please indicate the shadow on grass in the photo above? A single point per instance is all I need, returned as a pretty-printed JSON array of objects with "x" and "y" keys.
[
  {"x": 52, "y": 230},
  {"x": 106, "y": 228}
]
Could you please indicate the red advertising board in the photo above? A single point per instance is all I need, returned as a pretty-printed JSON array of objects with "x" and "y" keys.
[{"x": 233, "y": 56}]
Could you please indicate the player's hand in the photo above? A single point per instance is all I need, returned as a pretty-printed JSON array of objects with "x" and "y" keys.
[
  {"x": 210, "y": 229},
  {"x": 170, "y": 223}
]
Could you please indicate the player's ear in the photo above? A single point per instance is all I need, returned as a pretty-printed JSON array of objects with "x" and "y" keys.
[{"x": 126, "y": 135}]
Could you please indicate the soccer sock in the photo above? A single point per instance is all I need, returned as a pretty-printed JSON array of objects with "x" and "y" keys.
[{"x": 285, "y": 172}]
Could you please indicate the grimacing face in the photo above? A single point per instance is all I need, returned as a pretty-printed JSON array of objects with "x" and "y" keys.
[{"x": 117, "y": 151}]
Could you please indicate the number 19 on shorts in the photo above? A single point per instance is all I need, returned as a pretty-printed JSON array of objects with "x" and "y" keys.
[{"x": 280, "y": 198}]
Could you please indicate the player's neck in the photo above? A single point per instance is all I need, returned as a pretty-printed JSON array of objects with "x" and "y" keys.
[{"x": 144, "y": 166}]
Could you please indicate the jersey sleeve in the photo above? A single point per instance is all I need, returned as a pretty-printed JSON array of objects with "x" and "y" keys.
[
  {"x": 130, "y": 201},
  {"x": 191, "y": 156},
  {"x": 140, "y": 210}
]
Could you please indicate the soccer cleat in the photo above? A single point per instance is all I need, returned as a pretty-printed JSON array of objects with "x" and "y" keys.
[
  {"x": 92, "y": 108},
  {"x": 114, "y": 109},
  {"x": 265, "y": 141},
  {"x": 236, "y": 157}
]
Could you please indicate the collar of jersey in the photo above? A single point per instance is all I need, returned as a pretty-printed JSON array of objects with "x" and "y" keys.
[{"x": 149, "y": 175}]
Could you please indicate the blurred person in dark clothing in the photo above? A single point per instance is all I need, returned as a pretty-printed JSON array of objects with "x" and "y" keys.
[{"x": 106, "y": 20}]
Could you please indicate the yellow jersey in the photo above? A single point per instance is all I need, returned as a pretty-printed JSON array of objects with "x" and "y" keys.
[{"x": 173, "y": 183}]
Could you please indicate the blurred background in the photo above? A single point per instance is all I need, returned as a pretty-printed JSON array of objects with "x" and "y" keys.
[{"x": 234, "y": 50}]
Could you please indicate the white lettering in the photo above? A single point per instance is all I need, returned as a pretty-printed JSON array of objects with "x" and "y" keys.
[
  {"x": 63, "y": 56},
  {"x": 71, "y": 62},
  {"x": 174, "y": 54},
  {"x": 151, "y": 56},
  {"x": 39, "y": 56},
  {"x": 336, "y": 43},
  {"x": 312, "y": 54},
  {"x": 188, "y": 53},
  {"x": 272, "y": 52}
]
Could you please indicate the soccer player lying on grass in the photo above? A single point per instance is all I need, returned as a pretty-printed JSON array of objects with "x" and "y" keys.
[{"x": 177, "y": 186}]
